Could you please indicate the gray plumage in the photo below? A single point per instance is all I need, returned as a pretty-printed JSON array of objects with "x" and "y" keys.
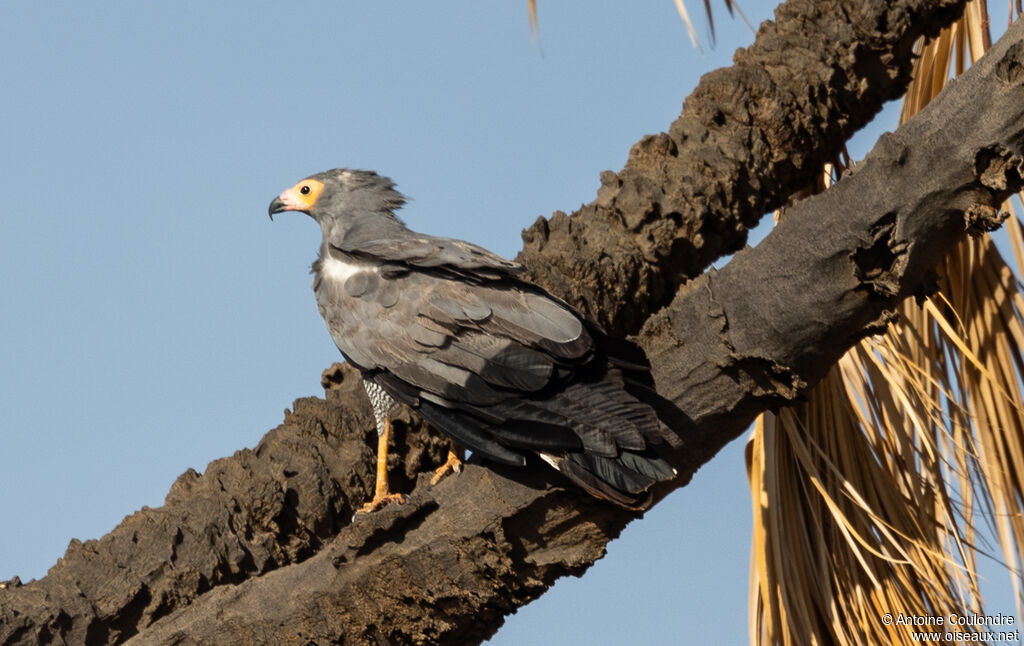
[{"x": 493, "y": 361}]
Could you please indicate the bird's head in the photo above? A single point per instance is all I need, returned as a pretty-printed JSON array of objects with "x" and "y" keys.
[{"x": 340, "y": 196}]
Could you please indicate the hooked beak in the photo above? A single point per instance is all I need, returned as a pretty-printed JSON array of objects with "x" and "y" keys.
[
  {"x": 276, "y": 207},
  {"x": 287, "y": 201}
]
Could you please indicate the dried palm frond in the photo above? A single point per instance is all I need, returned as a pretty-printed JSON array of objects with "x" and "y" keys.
[
  {"x": 869, "y": 497},
  {"x": 730, "y": 5},
  {"x": 681, "y": 8}
]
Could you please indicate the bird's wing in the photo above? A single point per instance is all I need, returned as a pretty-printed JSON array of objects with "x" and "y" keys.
[
  {"x": 432, "y": 251},
  {"x": 464, "y": 342},
  {"x": 503, "y": 352}
]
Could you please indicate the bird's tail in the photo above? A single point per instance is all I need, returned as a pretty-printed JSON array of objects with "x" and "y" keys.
[
  {"x": 630, "y": 363},
  {"x": 623, "y": 480}
]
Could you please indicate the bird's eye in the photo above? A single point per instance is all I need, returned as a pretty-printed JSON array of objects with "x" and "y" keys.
[{"x": 304, "y": 190}]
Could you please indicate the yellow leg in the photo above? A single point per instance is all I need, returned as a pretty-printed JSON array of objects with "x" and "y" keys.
[
  {"x": 381, "y": 494},
  {"x": 452, "y": 465}
]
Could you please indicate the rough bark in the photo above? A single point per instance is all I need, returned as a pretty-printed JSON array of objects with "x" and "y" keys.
[
  {"x": 756, "y": 334},
  {"x": 447, "y": 566},
  {"x": 749, "y": 137}
]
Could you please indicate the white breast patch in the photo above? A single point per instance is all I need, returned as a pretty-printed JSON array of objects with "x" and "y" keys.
[{"x": 333, "y": 268}]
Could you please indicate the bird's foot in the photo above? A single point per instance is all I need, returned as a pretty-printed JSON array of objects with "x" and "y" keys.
[
  {"x": 452, "y": 465},
  {"x": 380, "y": 500}
]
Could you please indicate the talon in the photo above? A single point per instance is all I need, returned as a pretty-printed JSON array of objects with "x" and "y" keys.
[
  {"x": 380, "y": 501},
  {"x": 452, "y": 465}
]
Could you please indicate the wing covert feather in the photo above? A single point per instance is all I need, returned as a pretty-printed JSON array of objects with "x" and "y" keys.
[
  {"x": 467, "y": 342},
  {"x": 432, "y": 251}
]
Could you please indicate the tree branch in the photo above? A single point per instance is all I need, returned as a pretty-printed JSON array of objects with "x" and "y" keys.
[
  {"x": 451, "y": 563},
  {"x": 758, "y": 333},
  {"x": 750, "y": 136}
]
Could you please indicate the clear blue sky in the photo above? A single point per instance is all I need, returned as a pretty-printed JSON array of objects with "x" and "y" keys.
[{"x": 154, "y": 319}]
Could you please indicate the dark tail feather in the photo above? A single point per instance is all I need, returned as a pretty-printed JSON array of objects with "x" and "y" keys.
[
  {"x": 629, "y": 472},
  {"x": 668, "y": 413},
  {"x": 624, "y": 353},
  {"x": 623, "y": 480},
  {"x": 538, "y": 436},
  {"x": 630, "y": 358},
  {"x": 468, "y": 432},
  {"x": 593, "y": 485},
  {"x": 647, "y": 467}
]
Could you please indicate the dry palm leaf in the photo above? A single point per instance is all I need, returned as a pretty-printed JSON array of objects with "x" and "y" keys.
[
  {"x": 869, "y": 497},
  {"x": 730, "y": 5}
]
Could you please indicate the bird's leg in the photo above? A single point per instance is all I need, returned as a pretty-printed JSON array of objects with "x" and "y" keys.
[
  {"x": 452, "y": 465},
  {"x": 381, "y": 494}
]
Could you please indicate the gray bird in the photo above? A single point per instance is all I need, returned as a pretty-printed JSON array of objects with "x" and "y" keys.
[{"x": 493, "y": 361}]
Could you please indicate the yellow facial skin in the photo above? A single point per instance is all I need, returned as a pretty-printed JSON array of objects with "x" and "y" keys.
[{"x": 302, "y": 196}]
